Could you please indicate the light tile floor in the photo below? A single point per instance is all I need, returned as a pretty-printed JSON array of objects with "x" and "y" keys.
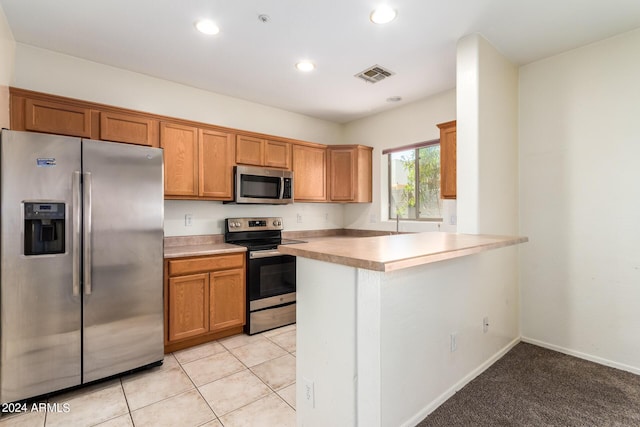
[{"x": 237, "y": 381}]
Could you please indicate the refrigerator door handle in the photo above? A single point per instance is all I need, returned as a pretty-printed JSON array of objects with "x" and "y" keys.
[
  {"x": 75, "y": 188},
  {"x": 87, "y": 233}
]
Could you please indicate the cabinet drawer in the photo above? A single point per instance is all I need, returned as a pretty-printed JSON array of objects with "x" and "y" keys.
[{"x": 200, "y": 264}]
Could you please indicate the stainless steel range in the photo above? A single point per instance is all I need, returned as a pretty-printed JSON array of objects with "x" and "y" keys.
[{"x": 271, "y": 276}]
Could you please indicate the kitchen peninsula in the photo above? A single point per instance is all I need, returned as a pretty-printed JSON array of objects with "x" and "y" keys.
[{"x": 390, "y": 326}]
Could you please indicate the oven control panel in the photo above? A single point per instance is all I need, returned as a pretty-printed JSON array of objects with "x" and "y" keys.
[{"x": 253, "y": 224}]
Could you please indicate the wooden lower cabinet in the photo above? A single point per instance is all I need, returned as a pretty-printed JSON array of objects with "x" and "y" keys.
[
  {"x": 226, "y": 299},
  {"x": 205, "y": 299},
  {"x": 189, "y": 306}
]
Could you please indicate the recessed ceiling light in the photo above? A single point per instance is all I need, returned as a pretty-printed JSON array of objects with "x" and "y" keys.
[
  {"x": 305, "y": 66},
  {"x": 207, "y": 26},
  {"x": 383, "y": 14},
  {"x": 394, "y": 99}
]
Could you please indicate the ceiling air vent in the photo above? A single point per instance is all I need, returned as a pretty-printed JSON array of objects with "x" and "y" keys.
[{"x": 374, "y": 74}]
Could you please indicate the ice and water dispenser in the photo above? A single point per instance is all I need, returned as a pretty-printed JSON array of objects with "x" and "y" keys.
[{"x": 44, "y": 228}]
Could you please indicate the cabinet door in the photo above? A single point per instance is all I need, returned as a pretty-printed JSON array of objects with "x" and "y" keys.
[
  {"x": 249, "y": 150},
  {"x": 309, "y": 168},
  {"x": 58, "y": 118},
  {"x": 188, "y": 306},
  {"x": 180, "y": 145},
  {"x": 216, "y": 164},
  {"x": 277, "y": 154},
  {"x": 227, "y": 299},
  {"x": 128, "y": 128},
  {"x": 448, "y": 168},
  {"x": 342, "y": 165}
]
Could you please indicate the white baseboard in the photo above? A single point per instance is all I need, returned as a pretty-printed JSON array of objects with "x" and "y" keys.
[
  {"x": 457, "y": 386},
  {"x": 585, "y": 356}
]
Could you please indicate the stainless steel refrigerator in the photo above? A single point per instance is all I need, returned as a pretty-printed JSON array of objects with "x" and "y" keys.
[{"x": 81, "y": 274}]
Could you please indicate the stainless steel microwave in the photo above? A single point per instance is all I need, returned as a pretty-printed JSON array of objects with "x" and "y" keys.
[{"x": 263, "y": 185}]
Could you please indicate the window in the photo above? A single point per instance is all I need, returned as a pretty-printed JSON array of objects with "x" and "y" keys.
[{"x": 414, "y": 182}]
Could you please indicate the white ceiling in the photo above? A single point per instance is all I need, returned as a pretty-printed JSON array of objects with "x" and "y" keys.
[{"x": 255, "y": 61}]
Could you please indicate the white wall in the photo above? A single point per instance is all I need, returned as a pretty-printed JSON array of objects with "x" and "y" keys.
[
  {"x": 7, "y": 55},
  {"x": 51, "y": 72},
  {"x": 580, "y": 201},
  {"x": 379, "y": 355},
  {"x": 415, "y": 122},
  {"x": 208, "y": 217},
  {"x": 487, "y": 139}
]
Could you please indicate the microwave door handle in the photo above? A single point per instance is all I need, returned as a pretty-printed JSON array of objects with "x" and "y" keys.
[{"x": 282, "y": 181}]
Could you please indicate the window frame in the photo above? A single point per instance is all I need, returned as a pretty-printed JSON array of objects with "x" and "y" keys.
[{"x": 416, "y": 147}]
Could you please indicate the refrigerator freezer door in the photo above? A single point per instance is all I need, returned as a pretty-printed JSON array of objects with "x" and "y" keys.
[
  {"x": 40, "y": 342},
  {"x": 123, "y": 307}
]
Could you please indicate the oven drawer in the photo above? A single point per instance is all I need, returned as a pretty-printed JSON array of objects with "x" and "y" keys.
[
  {"x": 202, "y": 264},
  {"x": 272, "y": 318}
]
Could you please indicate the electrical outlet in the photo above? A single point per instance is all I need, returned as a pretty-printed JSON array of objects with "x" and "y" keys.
[
  {"x": 453, "y": 220},
  {"x": 372, "y": 218},
  {"x": 188, "y": 220},
  {"x": 454, "y": 342},
  {"x": 326, "y": 217},
  {"x": 308, "y": 393},
  {"x": 485, "y": 324},
  {"x": 299, "y": 217}
]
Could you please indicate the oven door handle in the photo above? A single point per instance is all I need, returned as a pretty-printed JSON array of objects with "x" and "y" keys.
[{"x": 269, "y": 253}]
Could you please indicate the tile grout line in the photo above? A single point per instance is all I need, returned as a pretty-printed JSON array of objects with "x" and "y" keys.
[
  {"x": 197, "y": 388},
  {"x": 228, "y": 350},
  {"x": 127, "y": 402}
]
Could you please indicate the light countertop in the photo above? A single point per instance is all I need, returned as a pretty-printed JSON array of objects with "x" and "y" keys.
[
  {"x": 388, "y": 253},
  {"x": 201, "y": 249}
]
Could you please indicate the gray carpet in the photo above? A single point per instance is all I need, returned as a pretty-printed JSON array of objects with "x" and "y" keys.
[{"x": 533, "y": 386}]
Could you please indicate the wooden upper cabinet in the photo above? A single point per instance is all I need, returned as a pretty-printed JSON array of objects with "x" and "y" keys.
[
  {"x": 216, "y": 164},
  {"x": 129, "y": 128},
  {"x": 350, "y": 173},
  {"x": 249, "y": 150},
  {"x": 39, "y": 112},
  {"x": 277, "y": 154},
  {"x": 309, "y": 173},
  {"x": 448, "y": 168},
  {"x": 263, "y": 152},
  {"x": 54, "y": 117},
  {"x": 180, "y": 144}
]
